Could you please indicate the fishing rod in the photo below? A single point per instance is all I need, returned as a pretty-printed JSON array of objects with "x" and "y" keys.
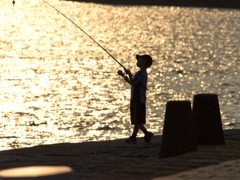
[
  {"x": 87, "y": 35},
  {"x": 119, "y": 72}
]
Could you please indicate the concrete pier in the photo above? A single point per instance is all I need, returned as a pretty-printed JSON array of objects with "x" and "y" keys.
[{"x": 118, "y": 160}]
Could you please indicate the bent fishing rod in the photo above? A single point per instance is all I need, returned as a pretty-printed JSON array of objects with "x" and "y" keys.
[
  {"x": 87, "y": 35},
  {"x": 91, "y": 39}
]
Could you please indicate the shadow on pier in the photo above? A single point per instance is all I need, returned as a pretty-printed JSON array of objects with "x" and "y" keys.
[{"x": 118, "y": 160}]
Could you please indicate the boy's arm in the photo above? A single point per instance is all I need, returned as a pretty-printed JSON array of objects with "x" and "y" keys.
[{"x": 129, "y": 78}]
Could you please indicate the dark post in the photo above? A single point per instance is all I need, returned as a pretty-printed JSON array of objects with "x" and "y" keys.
[
  {"x": 207, "y": 119},
  {"x": 178, "y": 137}
]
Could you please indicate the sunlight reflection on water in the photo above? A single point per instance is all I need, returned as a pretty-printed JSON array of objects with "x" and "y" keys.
[{"x": 58, "y": 86}]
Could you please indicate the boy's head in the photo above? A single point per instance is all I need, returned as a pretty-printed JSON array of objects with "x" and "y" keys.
[{"x": 146, "y": 58}]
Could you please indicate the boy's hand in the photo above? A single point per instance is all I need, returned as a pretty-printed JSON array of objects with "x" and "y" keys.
[
  {"x": 120, "y": 73},
  {"x": 127, "y": 71}
]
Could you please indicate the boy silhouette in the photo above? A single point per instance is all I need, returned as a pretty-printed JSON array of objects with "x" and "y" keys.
[{"x": 138, "y": 97}]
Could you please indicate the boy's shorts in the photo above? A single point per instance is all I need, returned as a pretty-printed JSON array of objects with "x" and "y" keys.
[{"x": 138, "y": 112}]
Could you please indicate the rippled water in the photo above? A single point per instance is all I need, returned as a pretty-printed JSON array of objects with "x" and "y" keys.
[{"x": 57, "y": 85}]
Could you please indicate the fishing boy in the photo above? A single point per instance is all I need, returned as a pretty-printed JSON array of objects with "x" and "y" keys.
[{"x": 138, "y": 97}]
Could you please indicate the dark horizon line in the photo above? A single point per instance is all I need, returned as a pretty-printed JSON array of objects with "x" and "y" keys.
[{"x": 235, "y": 4}]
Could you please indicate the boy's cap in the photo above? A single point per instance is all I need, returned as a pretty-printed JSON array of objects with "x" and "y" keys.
[{"x": 147, "y": 57}]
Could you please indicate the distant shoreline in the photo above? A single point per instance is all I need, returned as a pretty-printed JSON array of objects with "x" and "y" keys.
[{"x": 185, "y": 3}]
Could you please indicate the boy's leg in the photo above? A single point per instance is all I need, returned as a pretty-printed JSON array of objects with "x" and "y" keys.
[
  {"x": 132, "y": 139},
  {"x": 135, "y": 130},
  {"x": 143, "y": 129},
  {"x": 148, "y": 135}
]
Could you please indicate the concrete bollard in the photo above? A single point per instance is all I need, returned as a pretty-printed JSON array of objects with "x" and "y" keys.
[
  {"x": 207, "y": 119},
  {"x": 178, "y": 137},
  {"x": 37, "y": 173}
]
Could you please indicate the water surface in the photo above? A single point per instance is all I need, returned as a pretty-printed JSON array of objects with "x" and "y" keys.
[{"x": 58, "y": 86}]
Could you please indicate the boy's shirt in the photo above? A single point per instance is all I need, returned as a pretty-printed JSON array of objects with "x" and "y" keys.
[{"x": 138, "y": 92}]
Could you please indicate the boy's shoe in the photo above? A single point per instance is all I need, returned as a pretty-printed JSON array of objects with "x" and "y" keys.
[
  {"x": 131, "y": 140},
  {"x": 148, "y": 137}
]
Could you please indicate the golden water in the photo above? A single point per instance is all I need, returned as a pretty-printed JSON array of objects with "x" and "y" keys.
[{"x": 57, "y": 85}]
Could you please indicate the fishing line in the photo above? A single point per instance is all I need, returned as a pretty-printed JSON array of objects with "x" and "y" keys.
[{"x": 86, "y": 34}]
